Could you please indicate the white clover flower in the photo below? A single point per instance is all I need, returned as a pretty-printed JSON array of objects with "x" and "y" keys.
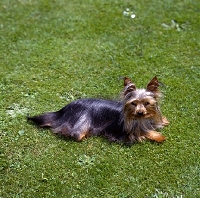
[
  {"x": 129, "y": 13},
  {"x": 125, "y": 13},
  {"x": 133, "y": 16}
]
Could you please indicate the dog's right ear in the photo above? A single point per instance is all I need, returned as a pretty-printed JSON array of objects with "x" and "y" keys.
[{"x": 128, "y": 86}]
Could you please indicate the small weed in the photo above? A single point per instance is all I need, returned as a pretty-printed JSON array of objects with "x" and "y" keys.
[
  {"x": 175, "y": 25},
  {"x": 72, "y": 95},
  {"x": 86, "y": 161},
  {"x": 160, "y": 194},
  {"x": 15, "y": 109}
]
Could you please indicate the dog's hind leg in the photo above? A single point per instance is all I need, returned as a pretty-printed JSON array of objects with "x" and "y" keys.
[{"x": 78, "y": 132}]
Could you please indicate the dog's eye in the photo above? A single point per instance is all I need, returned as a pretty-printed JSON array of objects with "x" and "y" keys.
[
  {"x": 146, "y": 103},
  {"x": 133, "y": 103}
]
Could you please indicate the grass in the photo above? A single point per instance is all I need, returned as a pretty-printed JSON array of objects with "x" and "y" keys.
[{"x": 53, "y": 52}]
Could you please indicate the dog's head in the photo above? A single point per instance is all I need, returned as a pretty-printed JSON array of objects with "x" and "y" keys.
[{"x": 141, "y": 103}]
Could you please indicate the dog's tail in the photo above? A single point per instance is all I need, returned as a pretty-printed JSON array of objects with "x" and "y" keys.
[{"x": 44, "y": 120}]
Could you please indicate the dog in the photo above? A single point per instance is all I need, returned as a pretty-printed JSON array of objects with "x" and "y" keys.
[{"x": 134, "y": 119}]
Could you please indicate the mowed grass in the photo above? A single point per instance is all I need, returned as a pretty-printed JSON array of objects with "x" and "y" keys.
[{"x": 53, "y": 52}]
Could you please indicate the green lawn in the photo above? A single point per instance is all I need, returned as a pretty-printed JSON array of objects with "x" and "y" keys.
[{"x": 53, "y": 52}]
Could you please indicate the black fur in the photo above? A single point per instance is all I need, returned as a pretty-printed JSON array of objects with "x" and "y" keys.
[{"x": 95, "y": 116}]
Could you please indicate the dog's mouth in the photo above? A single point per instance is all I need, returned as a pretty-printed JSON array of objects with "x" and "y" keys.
[{"x": 141, "y": 115}]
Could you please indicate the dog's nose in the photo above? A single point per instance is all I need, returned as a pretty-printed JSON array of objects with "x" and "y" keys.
[{"x": 140, "y": 113}]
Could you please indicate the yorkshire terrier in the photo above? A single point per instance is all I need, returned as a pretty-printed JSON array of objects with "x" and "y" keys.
[{"x": 134, "y": 119}]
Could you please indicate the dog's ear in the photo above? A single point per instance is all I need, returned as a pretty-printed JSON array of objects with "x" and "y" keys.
[
  {"x": 128, "y": 86},
  {"x": 153, "y": 85}
]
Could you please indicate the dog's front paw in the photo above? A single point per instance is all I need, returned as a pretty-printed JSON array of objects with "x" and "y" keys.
[
  {"x": 165, "y": 122},
  {"x": 155, "y": 136}
]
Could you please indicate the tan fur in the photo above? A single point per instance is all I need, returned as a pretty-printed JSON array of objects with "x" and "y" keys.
[{"x": 155, "y": 136}]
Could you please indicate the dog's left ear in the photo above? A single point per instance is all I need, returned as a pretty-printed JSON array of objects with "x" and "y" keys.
[
  {"x": 128, "y": 86},
  {"x": 153, "y": 85}
]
